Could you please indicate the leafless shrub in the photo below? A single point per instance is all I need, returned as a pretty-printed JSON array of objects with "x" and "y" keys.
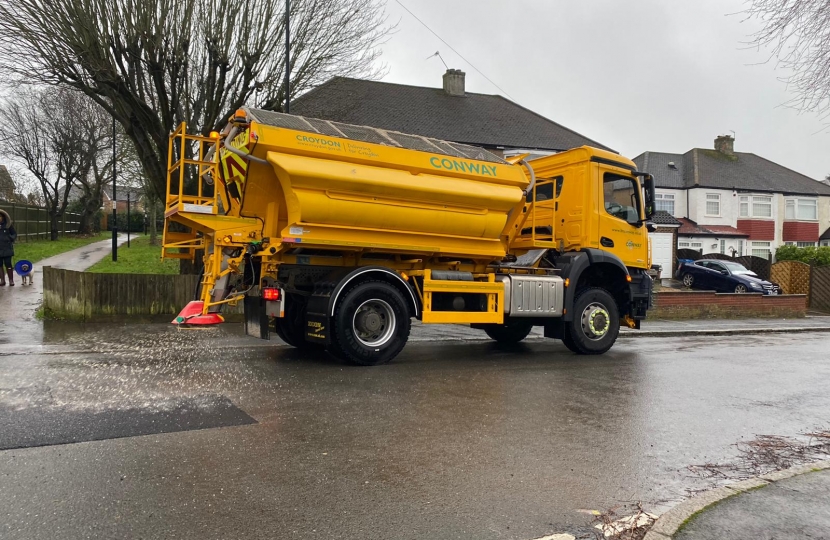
[
  {"x": 767, "y": 453},
  {"x": 626, "y": 522}
]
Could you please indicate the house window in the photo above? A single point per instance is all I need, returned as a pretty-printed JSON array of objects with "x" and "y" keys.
[
  {"x": 740, "y": 248},
  {"x": 805, "y": 244},
  {"x": 789, "y": 243},
  {"x": 664, "y": 202},
  {"x": 801, "y": 209},
  {"x": 697, "y": 245},
  {"x": 825, "y": 243},
  {"x": 761, "y": 249},
  {"x": 713, "y": 204},
  {"x": 683, "y": 244},
  {"x": 756, "y": 206},
  {"x": 723, "y": 246},
  {"x": 761, "y": 206}
]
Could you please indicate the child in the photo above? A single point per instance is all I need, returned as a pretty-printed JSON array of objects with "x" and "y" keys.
[{"x": 7, "y": 237}]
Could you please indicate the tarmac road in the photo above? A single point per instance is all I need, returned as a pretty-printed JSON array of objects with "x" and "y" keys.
[{"x": 110, "y": 431}]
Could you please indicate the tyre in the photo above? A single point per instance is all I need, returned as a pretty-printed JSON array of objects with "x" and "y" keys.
[
  {"x": 740, "y": 289},
  {"x": 568, "y": 340},
  {"x": 371, "y": 324},
  {"x": 688, "y": 280},
  {"x": 512, "y": 331},
  {"x": 291, "y": 327},
  {"x": 596, "y": 323}
]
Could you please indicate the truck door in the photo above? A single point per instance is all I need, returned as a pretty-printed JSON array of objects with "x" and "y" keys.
[{"x": 620, "y": 229}]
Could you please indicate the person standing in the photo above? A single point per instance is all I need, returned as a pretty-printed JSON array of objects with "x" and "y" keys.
[{"x": 7, "y": 238}]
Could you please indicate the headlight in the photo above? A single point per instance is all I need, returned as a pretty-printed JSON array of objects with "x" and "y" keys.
[{"x": 755, "y": 285}]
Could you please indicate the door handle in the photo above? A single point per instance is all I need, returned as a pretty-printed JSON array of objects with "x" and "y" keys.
[{"x": 606, "y": 242}]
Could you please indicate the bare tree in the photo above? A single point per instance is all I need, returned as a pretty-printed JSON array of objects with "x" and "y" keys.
[
  {"x": 798, "y": 33},
  {"x": 46, "y": 138},
  {"x": 154, "y": 63}
]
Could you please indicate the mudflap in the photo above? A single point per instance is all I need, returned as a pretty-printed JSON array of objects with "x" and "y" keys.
[{"x": 256, "y": 318}]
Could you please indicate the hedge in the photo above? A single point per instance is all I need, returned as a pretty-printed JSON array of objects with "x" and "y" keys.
[{"x": 811, "y": 255}]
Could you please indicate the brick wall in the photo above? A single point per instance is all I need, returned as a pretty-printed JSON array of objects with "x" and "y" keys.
[
  {"x": 706, "y": 304},
  {"x": 799, "y": 231},
  {"x": 758, "y": 229}
]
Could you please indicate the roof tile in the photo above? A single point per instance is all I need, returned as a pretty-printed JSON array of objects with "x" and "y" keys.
[{"x": 477, "y": 119}]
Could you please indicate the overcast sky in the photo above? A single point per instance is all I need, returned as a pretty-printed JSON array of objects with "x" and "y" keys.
[{"x": 635, "y": 75}]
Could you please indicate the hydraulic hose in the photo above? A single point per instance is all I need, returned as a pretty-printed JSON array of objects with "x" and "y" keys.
[
  {"x": 532, "y": 178},
  {"x": 230, "y": 148}
]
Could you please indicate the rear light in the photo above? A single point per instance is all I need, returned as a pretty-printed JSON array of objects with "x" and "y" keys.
[{"x": 271, "y": 294}]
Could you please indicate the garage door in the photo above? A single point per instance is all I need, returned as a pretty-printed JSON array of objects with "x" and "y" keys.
[{"x": 661, "y": 251}]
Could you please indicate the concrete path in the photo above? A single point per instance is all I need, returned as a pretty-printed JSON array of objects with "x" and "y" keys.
[
  {"x": 796, "y": 507},
  {"x": 18, "y": 304}
]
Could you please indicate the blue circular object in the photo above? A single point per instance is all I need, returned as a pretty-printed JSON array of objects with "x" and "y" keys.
[{"x": 23, "y": 268}]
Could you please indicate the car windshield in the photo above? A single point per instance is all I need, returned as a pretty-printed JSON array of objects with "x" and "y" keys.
[{"x": 735, "y": 268}]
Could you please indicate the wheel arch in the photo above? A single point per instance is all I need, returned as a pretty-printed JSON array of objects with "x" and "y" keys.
[
  {"x": 597, "y": 268},
  {"x": 376, "y": 273}
]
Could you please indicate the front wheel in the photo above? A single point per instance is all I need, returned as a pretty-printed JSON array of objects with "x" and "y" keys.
[
  {"x": 740, "y": 289},
  {"x": 371, "y": 324},
  {"x": 596, "y": 323},
  {"x": 512, "y": 331}
]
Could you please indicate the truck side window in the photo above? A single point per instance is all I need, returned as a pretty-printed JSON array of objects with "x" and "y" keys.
[
  {"x": 545, "y": 192},
  {"x": 621, "y": 197}
]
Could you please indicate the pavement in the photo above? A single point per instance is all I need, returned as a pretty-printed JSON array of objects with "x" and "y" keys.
[
  {"x": 19, "y": 303},
  {"x": 793, "y": 503},
  {"x": 146, "y": 431}
]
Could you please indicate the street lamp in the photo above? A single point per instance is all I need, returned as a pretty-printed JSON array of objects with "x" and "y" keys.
[
  {"x": 287, "y": 58},
  {"x": 114, "y": 203}
]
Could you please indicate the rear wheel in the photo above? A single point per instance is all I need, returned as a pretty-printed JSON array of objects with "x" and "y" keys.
[
  {"x": 596, "y": 323},
  {"x": 688, "y": 280},
  {"x": 512, "y": 331},
  {"x": 291, "y": 327},
  {"x": 371, "y": 324}
]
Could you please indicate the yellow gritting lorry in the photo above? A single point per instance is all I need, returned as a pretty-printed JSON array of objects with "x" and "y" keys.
[{"x": 336, "y": 236}]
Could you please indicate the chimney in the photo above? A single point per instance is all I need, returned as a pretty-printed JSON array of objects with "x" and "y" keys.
[
  {"x": 454, "y": 82},
  {"x": 725, "y": 144}
]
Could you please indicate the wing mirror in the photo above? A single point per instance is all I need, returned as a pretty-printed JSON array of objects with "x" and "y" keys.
[{"x": 648, "y": 194}]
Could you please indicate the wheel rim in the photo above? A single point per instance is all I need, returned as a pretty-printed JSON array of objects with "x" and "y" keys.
[
  {"x": 596, "y": 321},
  {"x": 373, "y": 322},
  {"x": 740, "y": 289},
  {"x": 688, "y": 280}
]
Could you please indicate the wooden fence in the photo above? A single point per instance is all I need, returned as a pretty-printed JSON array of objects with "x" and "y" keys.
[
  {"x": 88, "y": 296},
  {"x": 32, "y": 222},
  {"x": 820, "y": 288},
  {"x": 792, "y": 276}
]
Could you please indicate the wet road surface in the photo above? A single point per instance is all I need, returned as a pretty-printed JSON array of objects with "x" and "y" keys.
[{"x": 207, "y": 434}]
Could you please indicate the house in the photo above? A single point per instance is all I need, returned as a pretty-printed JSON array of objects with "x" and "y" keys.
[
  {"x": 663, "y": 241},
  {"x": 136, "y": 198},
  {"x": 737, "y": 202},
  {"x": 449, "y": 113}
]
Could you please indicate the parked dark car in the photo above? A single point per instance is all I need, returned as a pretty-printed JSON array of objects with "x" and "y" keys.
[{"x": 722, "y": 276}]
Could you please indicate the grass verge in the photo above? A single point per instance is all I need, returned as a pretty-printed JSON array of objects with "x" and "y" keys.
[
  {"x": 37, "y": 250},
  {"x": 140, "y": 258}
]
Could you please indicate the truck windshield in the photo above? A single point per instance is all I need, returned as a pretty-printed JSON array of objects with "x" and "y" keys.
[{"x": 621, "y": 197}]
